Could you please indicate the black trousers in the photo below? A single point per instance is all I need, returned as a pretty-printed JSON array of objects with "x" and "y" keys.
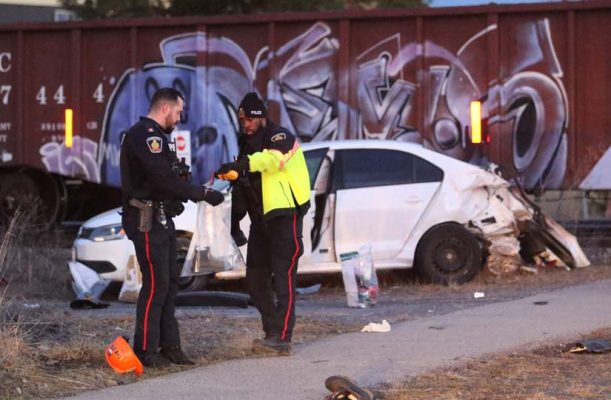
[
  {"x": 156, "y": 324},
  {"x": 274, "y": 249}
]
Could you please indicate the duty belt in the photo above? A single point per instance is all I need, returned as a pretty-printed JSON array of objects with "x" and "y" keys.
[{"x": 158, "y": 206}]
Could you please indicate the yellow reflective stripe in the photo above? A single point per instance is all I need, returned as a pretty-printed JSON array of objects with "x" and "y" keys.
[{"x": 286, "y": 157}]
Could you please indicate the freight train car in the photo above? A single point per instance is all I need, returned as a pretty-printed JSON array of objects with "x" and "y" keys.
[{"x": 540, "y": 72}]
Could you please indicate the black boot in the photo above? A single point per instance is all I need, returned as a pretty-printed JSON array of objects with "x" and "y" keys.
[
  {"x": 175, "y": 355},
  {"x": 272, "y": 345},
  {"x": 153, "y": 360}
]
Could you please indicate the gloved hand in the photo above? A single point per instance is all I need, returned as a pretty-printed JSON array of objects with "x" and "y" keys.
[
  {"x": 241, "y": 166},
  {"x": 212, "y": 197},
  {"x": 232, "y": 175}
]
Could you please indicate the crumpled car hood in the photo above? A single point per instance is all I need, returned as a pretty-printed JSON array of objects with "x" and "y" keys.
[{"x": 489, "y": 206}]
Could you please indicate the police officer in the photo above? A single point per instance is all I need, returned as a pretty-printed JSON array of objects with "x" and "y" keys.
[
  {"x": 275, "y": 185},
  {"x": 152, "y": 193}
]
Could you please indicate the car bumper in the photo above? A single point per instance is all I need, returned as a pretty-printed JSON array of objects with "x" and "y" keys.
[{"x": 109, "y": 259}]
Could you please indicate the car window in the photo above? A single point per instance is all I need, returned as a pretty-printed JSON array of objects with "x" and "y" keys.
[
  {"x": 425, "y": 171},
  {"x": 357, "y": 168},
  {"x": 313, "y": 161}
]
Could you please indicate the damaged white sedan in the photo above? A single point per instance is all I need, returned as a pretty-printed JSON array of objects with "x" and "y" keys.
[{"x": 415, "y": 207}]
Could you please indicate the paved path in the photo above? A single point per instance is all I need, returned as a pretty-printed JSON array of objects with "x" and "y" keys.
[{"x": 370, "y": 358}]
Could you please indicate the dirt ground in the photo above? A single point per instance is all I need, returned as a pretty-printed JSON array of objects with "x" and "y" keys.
[{"x": 50, "y": 350}]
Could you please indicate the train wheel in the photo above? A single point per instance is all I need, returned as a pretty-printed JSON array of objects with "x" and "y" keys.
[{"x": 20, "y": 193}]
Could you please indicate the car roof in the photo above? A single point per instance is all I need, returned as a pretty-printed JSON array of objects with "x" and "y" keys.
[
  {"x": 441, "y": 160},
  {"x": 360, "y": 144}
]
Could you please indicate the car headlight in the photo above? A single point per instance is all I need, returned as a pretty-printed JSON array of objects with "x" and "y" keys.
[{"x": 108, "y": 232}]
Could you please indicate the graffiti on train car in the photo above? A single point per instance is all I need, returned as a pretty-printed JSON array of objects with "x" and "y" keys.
[{"x": 529, "y": 103}]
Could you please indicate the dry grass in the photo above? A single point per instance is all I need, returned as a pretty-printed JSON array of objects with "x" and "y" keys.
[
  {"x": 32, "y": 260},
  {"x": 63, "y": 358},
  {"x": 28, "y": 265},
  {"x": 546, "y": 373},
  {"x": 46, "y": 353}
]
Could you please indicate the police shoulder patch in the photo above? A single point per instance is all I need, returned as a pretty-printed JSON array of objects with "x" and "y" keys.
[
  {"x": 154, "y": 144},
  {"x": 278, "y": 137}
]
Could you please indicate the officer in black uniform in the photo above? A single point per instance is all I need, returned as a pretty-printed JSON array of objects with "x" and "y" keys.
[
  {"x": 273, "y": 187},
  {"x": 153, "y": 189}
]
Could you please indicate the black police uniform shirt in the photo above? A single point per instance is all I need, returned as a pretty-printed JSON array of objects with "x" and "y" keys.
[
  {"x": 271, "y": 137},
  {"x": 146, "y": 166}
]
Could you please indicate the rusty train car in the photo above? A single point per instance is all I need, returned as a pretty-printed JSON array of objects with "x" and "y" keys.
[{"x": 541, "y": 73}]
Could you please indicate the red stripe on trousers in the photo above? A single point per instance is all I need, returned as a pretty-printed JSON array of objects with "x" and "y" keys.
[
  {"x": 288, "y": 310},
  {"x": 150, "y": 300}
]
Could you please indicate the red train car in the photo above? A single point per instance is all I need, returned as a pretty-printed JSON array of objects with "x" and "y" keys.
[{"x": 539, "y": 71}]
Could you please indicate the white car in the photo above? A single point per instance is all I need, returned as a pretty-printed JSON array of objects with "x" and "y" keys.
[{"x": 415, "y": 207}]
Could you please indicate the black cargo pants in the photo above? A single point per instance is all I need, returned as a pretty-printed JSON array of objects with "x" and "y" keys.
[
  {"x": 156, "y": 324},
  {"x": 274, "y": 249}
]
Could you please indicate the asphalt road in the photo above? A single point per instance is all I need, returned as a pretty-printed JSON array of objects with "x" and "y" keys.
[{"x": 412, "y": 347}]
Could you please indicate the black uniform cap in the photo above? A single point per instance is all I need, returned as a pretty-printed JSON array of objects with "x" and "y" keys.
[{"x": 252, "y": 106}]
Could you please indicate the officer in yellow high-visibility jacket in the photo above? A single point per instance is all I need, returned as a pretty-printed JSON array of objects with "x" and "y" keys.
[{"x": 275, "y": 186}]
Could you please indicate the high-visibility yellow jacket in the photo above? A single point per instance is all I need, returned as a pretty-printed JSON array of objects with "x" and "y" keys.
[{"x": 285, "y": 182}]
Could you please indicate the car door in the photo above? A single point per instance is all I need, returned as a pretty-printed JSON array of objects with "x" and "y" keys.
[
  {"x": 320, "y": 164},
  {"x": 380, "y": 196},
  {"x": 314, "y": 160}
]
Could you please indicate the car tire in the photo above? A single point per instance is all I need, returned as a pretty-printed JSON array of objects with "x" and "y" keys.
[
  {"x": 188, "y": 283},
  {"x": 448, "y": 254}
]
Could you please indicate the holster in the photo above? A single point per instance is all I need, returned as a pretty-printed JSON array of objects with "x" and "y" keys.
[{"x": 145, "y": 214}]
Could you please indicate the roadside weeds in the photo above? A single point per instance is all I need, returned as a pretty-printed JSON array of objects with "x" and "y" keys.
[
  {"x": 58, "y": 353},
  {"x": 545, "y": 373}
]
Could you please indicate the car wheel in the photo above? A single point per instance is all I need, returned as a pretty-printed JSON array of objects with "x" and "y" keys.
[
  {"x": 188, "y": 283},
  {"x": 448, "y": 253},
  {"x": 20, "y": 192}
]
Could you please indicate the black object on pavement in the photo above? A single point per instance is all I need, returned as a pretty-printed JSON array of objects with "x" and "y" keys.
[
  {"x": 343, "y": 387},
  {"x": 591, "y": 346},
  {"x": 87, "y": 303}
]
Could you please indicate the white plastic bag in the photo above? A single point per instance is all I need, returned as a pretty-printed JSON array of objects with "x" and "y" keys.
[
  {"x": 366, "y": 277},
  {"x": 132, "y": 282},
  {"x": 360, "y": 279},
  {"x": 212, "y": 248}
]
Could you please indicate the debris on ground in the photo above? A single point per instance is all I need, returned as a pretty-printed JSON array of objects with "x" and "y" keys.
[
  {"x": 310, "y": 289},
  {"x": 591, "y": 346},
  {"x": 382, "y": 327},
  {"x": 88, "y": 287},
  {"x": 344, "y": 388}
]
